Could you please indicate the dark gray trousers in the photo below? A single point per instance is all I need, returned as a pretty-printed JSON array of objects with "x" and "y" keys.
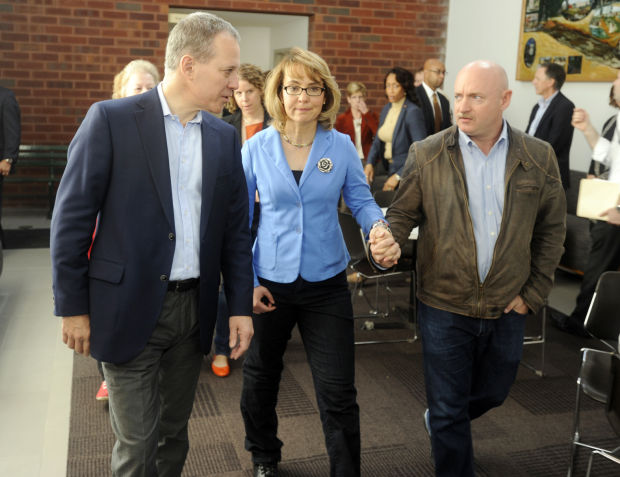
[{"x": 151, "y": 396}]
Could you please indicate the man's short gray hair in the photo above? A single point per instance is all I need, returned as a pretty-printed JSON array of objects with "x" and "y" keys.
[{"x": 194, "y": 35}]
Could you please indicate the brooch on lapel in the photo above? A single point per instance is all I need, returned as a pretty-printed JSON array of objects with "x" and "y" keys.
[{"x": 325, "y": 164}]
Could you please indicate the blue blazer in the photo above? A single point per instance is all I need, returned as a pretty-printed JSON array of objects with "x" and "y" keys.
[
  {"x": 298, "y": 232},
  {"x": 118, "y": 168},
  {"x": 409, "y": 128}
]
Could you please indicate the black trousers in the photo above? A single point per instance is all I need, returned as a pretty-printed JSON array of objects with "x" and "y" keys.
[
  {"x": 324, "y": 316},
  {"x": 604, "y": 256}
]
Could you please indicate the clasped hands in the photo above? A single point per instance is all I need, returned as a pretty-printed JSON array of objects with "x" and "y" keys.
[{"x": 383, "y": 248}]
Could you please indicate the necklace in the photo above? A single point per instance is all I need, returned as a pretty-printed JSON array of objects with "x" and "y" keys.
[{"x": 294, "y": 144}]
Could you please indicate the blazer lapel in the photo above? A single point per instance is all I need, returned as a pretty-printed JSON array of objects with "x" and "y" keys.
[
  {"x": 273, "y": 149},
  {"x": 319, "y": 147},
  {"x": 152, "y": 132}
]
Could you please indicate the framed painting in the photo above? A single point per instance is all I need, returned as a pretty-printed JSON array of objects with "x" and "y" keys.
[{"x": 581, "y": 35}]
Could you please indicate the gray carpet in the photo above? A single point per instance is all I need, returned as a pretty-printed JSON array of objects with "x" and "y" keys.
[{"x": 528, "y": 436}]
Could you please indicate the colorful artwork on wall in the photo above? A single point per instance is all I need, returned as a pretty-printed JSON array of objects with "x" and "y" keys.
[{"x": 581, "y": 35}]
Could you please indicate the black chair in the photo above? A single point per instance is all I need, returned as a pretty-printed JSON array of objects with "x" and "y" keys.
[
  {"x": 613, "y": 414},
  {"x": 602, "y": 322},
  {"x": 360, "y": 265}
]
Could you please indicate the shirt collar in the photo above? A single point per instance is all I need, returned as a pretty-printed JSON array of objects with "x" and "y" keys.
[
  {"x": 465, "y": 140},
  {"x": 166, "y": 109},
  {"x": 543, "y": 103},
  {"x": 429, "y": 91}
]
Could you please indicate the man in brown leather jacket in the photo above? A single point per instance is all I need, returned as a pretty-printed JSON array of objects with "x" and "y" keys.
[{"x": 490, "y": 208}]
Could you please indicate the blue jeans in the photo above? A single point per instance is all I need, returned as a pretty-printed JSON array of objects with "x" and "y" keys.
[
  {"x": 469, "y": 366},
  {"x": 222, "y": 329}
]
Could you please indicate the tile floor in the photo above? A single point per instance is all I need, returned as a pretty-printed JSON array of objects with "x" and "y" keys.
[{"x": 36, "y": 367}]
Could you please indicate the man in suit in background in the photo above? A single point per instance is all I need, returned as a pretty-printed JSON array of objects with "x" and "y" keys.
[
  {"x": 10, "y": 137},
  {"x": 550, "y": 119},
  {"x": 167, "y": 183},
  {"x": 435, "y": 106}
]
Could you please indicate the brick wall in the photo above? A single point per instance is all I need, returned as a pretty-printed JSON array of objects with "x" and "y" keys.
[{"x": 60, "y": 56}]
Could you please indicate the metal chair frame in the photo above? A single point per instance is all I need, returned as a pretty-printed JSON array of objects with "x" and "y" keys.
[
  {"x": 361, "y": 265},
  {"x": 595, "y": 372}
]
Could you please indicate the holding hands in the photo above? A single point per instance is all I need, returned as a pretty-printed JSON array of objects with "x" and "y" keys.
[{"x": 384, "y": 249}]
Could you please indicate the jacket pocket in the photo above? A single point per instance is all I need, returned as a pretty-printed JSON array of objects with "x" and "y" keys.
[
  {"x": 111, "y": 272},
  {"x": 265, "y": 251}
]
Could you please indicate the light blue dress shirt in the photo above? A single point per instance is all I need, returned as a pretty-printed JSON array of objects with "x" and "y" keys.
[
  {"x": 543, "y": 104},
  {"x": 485, "y": 177},
  {"x": 298, "y": 231},
  {"x": 185, "y": 161}
]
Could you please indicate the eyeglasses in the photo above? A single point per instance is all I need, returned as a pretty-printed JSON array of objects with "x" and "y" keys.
[
  {"x": 439, "y": 72},
  {"x": 310, "y": 90}
]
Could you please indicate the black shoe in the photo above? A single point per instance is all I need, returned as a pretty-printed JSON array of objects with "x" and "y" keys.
[
  {"x": 265, "y": 470},
  {"x": 567, "y": 324}
]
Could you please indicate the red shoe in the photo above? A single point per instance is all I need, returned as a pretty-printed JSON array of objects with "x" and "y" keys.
[
  {"x": 221, "y": 369},
  {"x": 102, "y": 394}
]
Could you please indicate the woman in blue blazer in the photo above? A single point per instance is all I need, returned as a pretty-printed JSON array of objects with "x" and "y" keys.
[
  {"x": 300, "y": 166},
  {"x": 401, "y": 123}
]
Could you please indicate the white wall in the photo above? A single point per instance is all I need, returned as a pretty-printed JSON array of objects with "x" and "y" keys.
[
  {"x": 489, "y": 29},
  {"x": 256, "y": 46},
  {"x": 294, "y": 33}
]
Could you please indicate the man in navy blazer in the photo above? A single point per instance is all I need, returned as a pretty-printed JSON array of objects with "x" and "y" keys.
[
  {"x": 550, "y": 119},
  {"x": 435, "y": 106},
  {"x": 166, "y": 181},
  {"x": 10, "y": 137}
]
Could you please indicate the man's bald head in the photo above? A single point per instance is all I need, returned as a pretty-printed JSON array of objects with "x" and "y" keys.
[
  {"x": 481, "y": 95},
  {"x": 434, "y": 73}
]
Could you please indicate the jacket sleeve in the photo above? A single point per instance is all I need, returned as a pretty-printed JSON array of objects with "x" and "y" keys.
[
  {"x": 11, "y": 127},
  {"x": 547, "y": 243},
  {"x": 250, "y": 180},
  {"x": 406, "y": 211},
  {"x": 237, "y": 253},
  {"x": 371, "y": 120},
  {"x": 561, "y": 130},
  {"x": 416, "y": 130},
  {"x": 80, "y": 194}
]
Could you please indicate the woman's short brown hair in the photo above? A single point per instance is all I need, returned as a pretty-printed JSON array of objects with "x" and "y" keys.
[
  {"x": 316, "y": 68},
  {"x": 253, "y": 75},
  {"x": 355, "y": 87}
]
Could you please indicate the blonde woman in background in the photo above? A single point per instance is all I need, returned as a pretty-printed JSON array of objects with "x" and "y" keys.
[
  {"x": 358, "y": 121},
  {"x": 136, "y": 77}
]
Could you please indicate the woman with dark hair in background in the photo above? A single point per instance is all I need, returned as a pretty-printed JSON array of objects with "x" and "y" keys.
[{"x": 401, "y": 124}]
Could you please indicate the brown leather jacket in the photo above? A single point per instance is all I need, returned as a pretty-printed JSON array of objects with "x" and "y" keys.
[{"x": 433, "y": 196}]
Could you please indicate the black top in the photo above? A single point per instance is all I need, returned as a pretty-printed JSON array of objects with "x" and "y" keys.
[{"x": 297, "y": 175}]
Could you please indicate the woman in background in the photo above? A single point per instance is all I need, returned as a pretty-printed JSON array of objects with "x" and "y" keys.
[
  {"x": 248, "y": 116},
  {"x": 401, "y": 123},
  {"x": 300, "y": 166},
  {"x": 136, "y": 77},
  {"x": 358, "y": 121}
]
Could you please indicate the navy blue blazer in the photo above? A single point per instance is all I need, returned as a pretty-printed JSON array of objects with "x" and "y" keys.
[
  {"x": 429, "y": 112},
  {"x": 118, "y": 168},
  {"x": 555, "y": 127},
  {"x": 409, "y": 129}
]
